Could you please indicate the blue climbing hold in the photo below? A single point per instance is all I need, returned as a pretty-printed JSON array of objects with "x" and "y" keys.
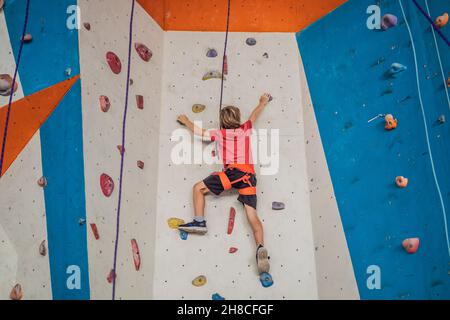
[
  {"x": 212, "y": 53},
  {"x": 183, "y": 235},
  {"x": 266, "y": 279},
  {"x": 250, "y": 41},
  {"x": 217, "y": 296},
  {"x": 396, "y": 68}
]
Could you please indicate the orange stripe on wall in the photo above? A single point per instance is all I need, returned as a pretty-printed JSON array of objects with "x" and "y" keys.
[{"x": 246, "y": 15}]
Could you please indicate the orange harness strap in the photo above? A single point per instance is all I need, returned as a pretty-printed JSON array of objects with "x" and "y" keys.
[
  {"x": 250, "y": 191},
  {"x": 227, "y": 184}
]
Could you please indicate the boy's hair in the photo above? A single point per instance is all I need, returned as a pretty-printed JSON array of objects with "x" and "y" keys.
[{"x": 230, "y": 118}]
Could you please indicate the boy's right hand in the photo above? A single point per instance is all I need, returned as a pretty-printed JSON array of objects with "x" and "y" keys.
[
  {"x": 183, "y": 119},
  {"x": 265, "y": 99}
]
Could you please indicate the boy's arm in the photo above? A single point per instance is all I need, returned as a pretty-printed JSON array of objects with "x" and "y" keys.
[
  {"x": 184, "y": 120},
  {"x": 263, "y": 101}
]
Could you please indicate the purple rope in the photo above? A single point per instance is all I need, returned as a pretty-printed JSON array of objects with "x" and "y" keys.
[
  {"x": 123, "y": 146},
  {"x": 2, "y": 157},
  {"x": 432, "y": 23},
  {"x": 224, "y": 55}
]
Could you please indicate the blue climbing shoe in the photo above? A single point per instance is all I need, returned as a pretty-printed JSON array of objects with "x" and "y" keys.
[{"x": 194, "y": 227}]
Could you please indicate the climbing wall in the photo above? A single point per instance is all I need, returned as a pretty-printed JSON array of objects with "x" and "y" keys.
[
  {"x": 102, "y": 135},
  {"x": 364, "y": 158}
]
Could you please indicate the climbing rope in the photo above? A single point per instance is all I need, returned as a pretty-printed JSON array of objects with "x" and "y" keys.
[
  {"x": 8, "y": 112},
  {"x": 224, "y": 56},
  {"x": 432, "y": 23},
  {"x": 122, "y": 153}
]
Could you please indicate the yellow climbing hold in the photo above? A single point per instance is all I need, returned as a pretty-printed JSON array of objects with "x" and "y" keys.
[
  {"x": 197, "y": 108},
  {"x": 174, "y": 222},
  {"x": 199, "y": 281},
  {"x": 212, "y": 75}
]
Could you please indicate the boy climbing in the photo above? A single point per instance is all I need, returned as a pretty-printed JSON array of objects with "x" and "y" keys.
[{"x": 234, "y": 147}]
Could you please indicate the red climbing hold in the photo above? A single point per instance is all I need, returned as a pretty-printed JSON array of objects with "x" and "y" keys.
[
  {"x": 87, "y": 25},
  {"x": 140, "y": 101},
  {"x": 16, "y": 293},
  {"x": 143, "y": 51},
  {"x": 411, "y": 245},
  {"x": 111, "y": 276},
  {"x": 27, "y": 38},
  {"x": 233, "y": 250},
  {"x": 42, "y": 182},
  {"x": 231, "y": 220},
  {"x": 107, "y": 184},
  {"x": 140, "y": 164},
  {"x": 104, "y": 103},
  {"x": 95, "y": 231},
  {"x": 225, "y": 65},
  {"x": 121, "y": 149},
  {"x": 114, "y": 62},
  {"x": 136, "y": 254}
]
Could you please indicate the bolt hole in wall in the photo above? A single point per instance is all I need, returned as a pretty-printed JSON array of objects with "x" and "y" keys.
[{"x": 390, "y": 175}]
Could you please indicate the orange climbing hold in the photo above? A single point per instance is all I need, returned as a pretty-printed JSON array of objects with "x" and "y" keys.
[
  {"x": 391, "y": 122},
  {"x": 16, "y": 292},
  {"x": 136, "y": 254},
  {"x": 401, "y": 182},
  {"x": 441, "y": 21},
  {"x": 411, "y": 245},
  {"x": 231, "y": 220}
]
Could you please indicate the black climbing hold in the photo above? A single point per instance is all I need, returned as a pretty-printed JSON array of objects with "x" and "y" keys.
[
  {"x": 277, "y": 205},
  {"x": 441, "y": 119},
  {"x": 250, "y": 41},
  {"x": 266, "y": 55},
  {"x": 212, "y": 53}
]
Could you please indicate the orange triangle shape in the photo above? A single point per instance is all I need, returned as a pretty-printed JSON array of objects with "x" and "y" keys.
[{"x": 26, "y": 117}]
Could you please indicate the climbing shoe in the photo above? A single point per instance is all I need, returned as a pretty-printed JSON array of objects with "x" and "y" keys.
[
  {"x": 194, "y": 227},
  {"x": 262, "y": 260}
]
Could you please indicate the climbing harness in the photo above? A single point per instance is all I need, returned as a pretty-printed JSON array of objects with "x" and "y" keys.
[{"x": 227, "y": 184}]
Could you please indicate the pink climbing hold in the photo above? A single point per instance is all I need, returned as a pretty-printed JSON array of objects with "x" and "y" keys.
[
  {"x": 140, "y": 164},
  {"x": 113, "y": 62},
  {"x": 388, "y": 21},
  {"x": 231, "y": 220},
  {"x": 104, "y": 103},
  {"x": 136, "y": 254},
  {"x": 411, "y": 245},
  {"x": 111, "y": 276},
  {"x": 232, "y": 250},
  {"x": 106, "y": 184},
  {"x": 27, "y": 38},
  {"x": 95, "y": 231},
  {"x": 143, "y": 51},
  {"x": 140, "y": 101},
  {"x": 42, "y": 182}
]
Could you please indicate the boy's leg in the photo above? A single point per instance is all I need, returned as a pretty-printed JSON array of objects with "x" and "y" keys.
[
  {"x": 262, "y": 256},
  {"x": 199, "y": 224}
]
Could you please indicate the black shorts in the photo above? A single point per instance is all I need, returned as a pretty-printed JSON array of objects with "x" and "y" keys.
[{"x": 214, "y": 185}]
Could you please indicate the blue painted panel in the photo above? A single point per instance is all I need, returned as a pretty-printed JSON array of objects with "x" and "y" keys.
[
  {"x": 345, "y": 63},
  {"x": 54, "y": 49}
]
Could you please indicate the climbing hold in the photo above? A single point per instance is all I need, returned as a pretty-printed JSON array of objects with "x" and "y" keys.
[
  {"x": 396, "y": 68},
  {"x": 183, "y": 235},
  {"x": 212, "y": 75},
  {"x": 106, "y": 184},
  {"x": 121, "y": 149},
  {"x": 250, "y": 41},
  {"x": 266, "y": 55},
  {"x": 104, "y": 103},
  {"x": 225, "y": 65},
  {"x": 231, "y": 220},
  {"x": 68, "y": 72},
  {"x": 6, "y": 85},
  {"x": 197, "y": 108},
  {"x": 113, "y": 62},
  {"x": 16, "y": 293},
  {"x": 217, "y": 296},
  {"x": 27, "y": 38},
  {"x": 87, "y": 25},
  {"x": 411, "y": 245},
  {"x": 388, "y": 21},
  {"x": 175, "y": 222},
  {"x": 212, "y": 53},
  {"x": 401, "y": 182},
  {"x": 2, "y": 2},
  {"x": 140, "y": 164},
  {"x": 136, "y": 254},
  {"x": 42, "y": 182},
  {"x": 111, "y": 276},
  {"x": 270, "y": 98},
  {"x": 448, "y": 82},
  {"x": 213, "y": 153},
  {"x": 232, "y": 250},
  {"x": 441, "y": 21},
  {"x": 391, "y": 122},
  {"x": 143, "y": 51},
  {"x": 95, "y": 231},
  {"x": 42, "y": 249},
  {"x": 441, "y": 119},
  {"x": 131, "y": 82},
  {"x": 277, "y": 205},
  {"x": 140, "y": 101},
  {"x": 199, "y": 281},
  {"x": 266, "y": 279},
  {"x": 81, "y": 221}
]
